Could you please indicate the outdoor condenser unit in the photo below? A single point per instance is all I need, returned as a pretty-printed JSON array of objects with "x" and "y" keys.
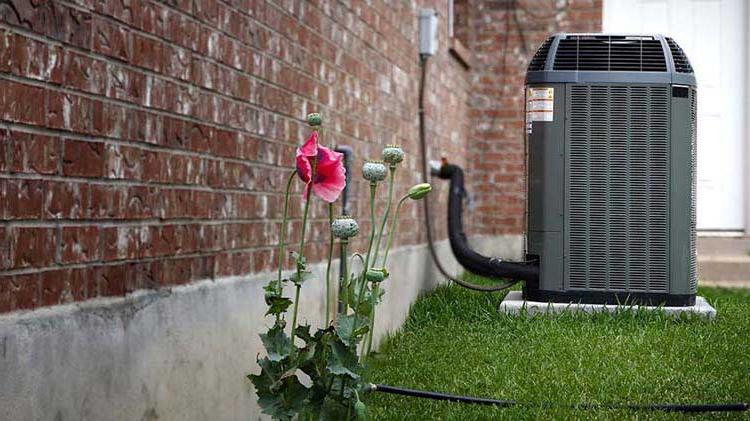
[{"x": 611, "y": 126}]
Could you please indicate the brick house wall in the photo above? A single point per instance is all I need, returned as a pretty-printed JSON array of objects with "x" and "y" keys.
[
  {"x": 145, "y": 144},
  {"x": 503, "y": 36}
]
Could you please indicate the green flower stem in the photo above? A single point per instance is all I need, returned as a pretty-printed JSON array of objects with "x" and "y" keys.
[
  {"x": 357, "y": 256},
  {"x": 296, "y": 307},
  {"x": 371, "y": 333},
  {"x": 302, "y": 243},
  {"x": 392, "y": 229},
  {"x": 344, "y": 276},
  {"x": 373, "y": 187},
  {"x": 328, "y": 266},
  {"x": 282, "y": 236},
  {"x": 391, "y": 179}
]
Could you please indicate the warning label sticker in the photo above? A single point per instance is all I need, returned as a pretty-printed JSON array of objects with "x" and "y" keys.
[{"x": 539, "y": 105}]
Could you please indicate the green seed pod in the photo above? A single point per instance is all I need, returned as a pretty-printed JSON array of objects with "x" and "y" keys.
[
  {"x": 314, "y": 119},
  {"x": 344, "y": 227},
  {"x": 392, "y": 154},
  {"x": 375, "y": 275},
  {"x": 374, "y": 171},
  {"x": 419, "y": 191}
]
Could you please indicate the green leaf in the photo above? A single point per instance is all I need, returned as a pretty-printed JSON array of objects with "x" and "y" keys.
[
  {"x": 272, "y": 290},
  {"x": 286, "y": 402},
  {"x": 347, "y": 331},
  {"x": 300, "y": 261},
  {"x": 303, "y": 332},
  {"x": 277, "y": 305},
  {"x": 280, "y": 394},
  {"x": 302, "y": 276},
  {"x": 343, "y": 360},
  {"x": 355, "y": 300},
  {"x": 361, "y": 410},
  {"x": 278, "y": 345}
]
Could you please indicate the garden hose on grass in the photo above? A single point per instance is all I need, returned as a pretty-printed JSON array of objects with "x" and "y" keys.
[{"x": 667, "y": 407}]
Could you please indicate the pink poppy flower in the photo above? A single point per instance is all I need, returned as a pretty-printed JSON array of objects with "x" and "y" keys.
[{"x": 330, "y": 176}]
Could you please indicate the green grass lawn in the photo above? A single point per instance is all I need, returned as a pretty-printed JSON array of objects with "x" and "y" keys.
[{"x": 455, "y": 341}]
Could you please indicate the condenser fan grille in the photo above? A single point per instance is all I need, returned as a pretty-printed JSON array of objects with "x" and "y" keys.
[
  {"x": 681, "y": 62},
  {"x": 618, "y": 182},
  {"x": 540, "y": 58},
  {"x": 610, "y": 53}
]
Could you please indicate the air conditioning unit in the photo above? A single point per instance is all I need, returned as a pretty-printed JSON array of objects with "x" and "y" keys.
[{"x": 611, "y": 138}]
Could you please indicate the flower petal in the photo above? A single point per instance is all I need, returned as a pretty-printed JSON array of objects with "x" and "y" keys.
[
  {"x": 304, "y": 168},
  {"x": 310, "y": 148},
  {"x": 330, "y": 175}
]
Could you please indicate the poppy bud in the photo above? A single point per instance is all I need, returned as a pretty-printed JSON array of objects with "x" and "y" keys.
[
  {"x": 374, "y": 171},
  {"x": 376, "y": 275},
  {"x": 419, "y": 191},
  {"x": 314, "y": 119},
  {"x": 344, "y": 227},
  {"x": 392, "y": 154}
]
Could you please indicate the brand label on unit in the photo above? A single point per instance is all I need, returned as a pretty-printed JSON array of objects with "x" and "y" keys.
[{"x": 539, "y": 105}]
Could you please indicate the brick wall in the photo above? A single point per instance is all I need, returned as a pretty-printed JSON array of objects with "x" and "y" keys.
[
  {"x": 503, "y": 36},
  {"x": 145, "y": 144}
]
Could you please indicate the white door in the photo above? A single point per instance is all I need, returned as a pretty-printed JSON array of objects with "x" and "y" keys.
[{"x": 713, "y": 35}]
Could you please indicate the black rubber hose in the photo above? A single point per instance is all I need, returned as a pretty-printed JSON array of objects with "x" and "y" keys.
[
  {"x": 490, "y": 267},
  {"x": 428, "y": 221},
  {"x": 668, "y": 407}
]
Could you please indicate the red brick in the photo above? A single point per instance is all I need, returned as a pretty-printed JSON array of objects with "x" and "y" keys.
[
  {"x": 23, "y": 291},
  {"x": 5, "y": 150},
  {"x": 126, "y": 11},
  {"x": 106, "y": 201},
  {"x": 140, "y": 275},
  {"x": 225, "y": 144},
  {"x": 64, "y": 286},
  {"x": 264, "y": 260},
  {"x": 148, "y": 53},
  {"x": 34, "y": 153},
  {"x": 6, "y": 305},
  {"x": 22, "y": 103},
  {"x": 202, "y": 268},
  {"x": 69, "y": 112},
  {"x": 28, "y": 57},
  {"x": 140, "y": 202},
  {"x": 32, "y": 246},
  {"x": 66, "y": 200},
  {"x": 121, "y": 243},
  {"x": 79, "y": 244},
  {"x": 170, "y": 272},
  {"x": 177, "y": 62},
  {"x": 111, "y": 39},
  {"x": 124, "y": 162},
  {"x": 110, "y": 280},
  {"x": 21, "y": 199},
  {"x": 5, "y": 260},
  {"x": 83, "y": 159},
  {"x": 175, "y": 133}
]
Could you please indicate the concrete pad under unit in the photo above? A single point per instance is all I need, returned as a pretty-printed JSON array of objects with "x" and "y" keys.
[{"x": 515, "y": 304}]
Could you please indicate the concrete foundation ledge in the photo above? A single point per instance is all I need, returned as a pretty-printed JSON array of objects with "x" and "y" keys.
[
  {"x": 514, "y": 304},
  {"x": 175, "y": 354}
]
